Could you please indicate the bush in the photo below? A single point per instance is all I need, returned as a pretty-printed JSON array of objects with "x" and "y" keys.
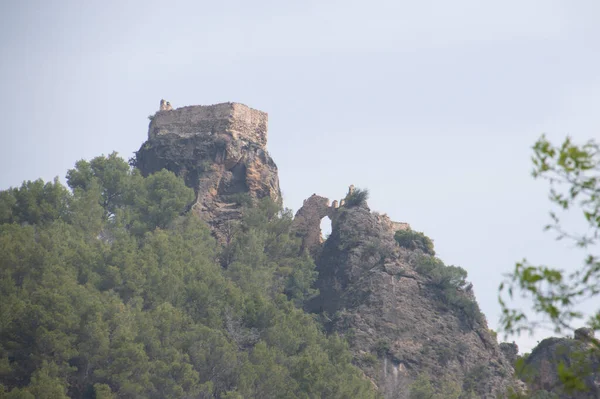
[
  {"x": 242, "y": 199},
  {"x": 422, "y": 388},
  {"x": 117, "y": 295},
  {"x": 473, "y": 380},
  {"x": 369, "y": 359},
  {"x": 450, "y": 280},
  {"x": 468, "y": 307},
  {"x": 382, "y": 347},
  {"x": 441, "y": 275},
  {"x": 444, "y": 354},
  {"x": 410, "y": 239},
  {"x": 357, "y": 198}
]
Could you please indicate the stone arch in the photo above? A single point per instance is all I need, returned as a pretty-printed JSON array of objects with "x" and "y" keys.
[{"x": 307, "y": 222}]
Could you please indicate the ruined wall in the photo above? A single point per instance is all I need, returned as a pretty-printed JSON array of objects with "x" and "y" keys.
[
  {"x": 400, "y": 226},
  {"x": 237, "y": 120},
  {"x": 307, "y": 222}
]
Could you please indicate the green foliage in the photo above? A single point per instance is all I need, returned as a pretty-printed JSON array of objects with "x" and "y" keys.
[
  {"x": 472, "y": 381},
  {"x": 243, "y": 199},
  {"x": 262, "y": 254},
  {"x": 445, "y": 354},
  {"x": 35, "y": 202},
  {"x": 108, "y": 185},
  {"x": 539, "y": 394},
  {"x": 369, "y": 360},
  {"x": 574, "y": 175},
  {"x": 523, "y": 372},
  {"x": 441, "y": 275},
  {"x": 111, "y": 291},
  {"x": 493, "y": 334},
  {"x": 357, "y": 198},
  {"x": 450, "y": 281},
  {"x": 382, "y": 347},
  {"x": 109, "y": 173},
  {"x": 410, "y": 239},
  {"x": 573, "y": 172},
  {"x": 157, "y": 200},
  {"x": 422, "y": 388}
]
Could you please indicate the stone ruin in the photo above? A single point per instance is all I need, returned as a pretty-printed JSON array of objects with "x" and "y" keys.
[
  {"x": 584, "y": 334},
  {"x": 307, "y": 221},
  {"x": 237, "y": 120},
  {"x": 165, "y": 106},
  {"x": 220, "y": 151}
]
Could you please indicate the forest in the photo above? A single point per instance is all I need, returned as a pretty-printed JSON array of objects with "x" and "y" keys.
[{"x": 111, "y": 288}]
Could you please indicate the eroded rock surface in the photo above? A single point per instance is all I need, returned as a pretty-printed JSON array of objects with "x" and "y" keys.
[
  {"x": 369, "y": 289},
  {"x": 579, "y": 353},
  {"x": 372, "y": 294},
  {"x": 307, "y": 222},
  {"x": 220, "y": 151},
  {"x": 510, "y": 351}
]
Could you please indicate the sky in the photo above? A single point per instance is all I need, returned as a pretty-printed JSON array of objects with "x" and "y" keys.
[{"x": 432, "y": 106}]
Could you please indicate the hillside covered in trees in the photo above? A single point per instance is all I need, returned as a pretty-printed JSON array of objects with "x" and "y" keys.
[
  {"x": 111, "y": 289},
  {"x": 179, "y": 274}
]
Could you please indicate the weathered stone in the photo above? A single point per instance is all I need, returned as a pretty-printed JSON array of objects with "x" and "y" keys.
[
  {"x": 374, "y": 297},
  {"x": 307, "y": 222},
  {"x": 400, "y": 226},
  {"x": 368, "y": 286},
  {"x": 584, "y": 334},
  {"x": 220, "y": 151},
  {"x": 510, "y": 351},
  {"x": 237, "y": 120},
  {"x": 580, "y": 354}
]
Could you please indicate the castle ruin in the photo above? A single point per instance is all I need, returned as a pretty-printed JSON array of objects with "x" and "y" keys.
[
  {"x": 236, "y": 120},
  {"x": 307, "y": 221}
]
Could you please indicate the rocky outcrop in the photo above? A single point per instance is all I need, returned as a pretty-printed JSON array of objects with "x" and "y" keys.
[
  {"x": 396, "y": 319},
  {"x": 307, "y": 222},
  {"x": 581, "y": 354},
  {"x": 510, "y": 351},
  {"x": 220, "y": 151},
  {"x": 371, "y": 293}
]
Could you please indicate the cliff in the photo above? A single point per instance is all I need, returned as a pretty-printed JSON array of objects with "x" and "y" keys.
[
  {"x": 540, "y": 369},
  {"x": 220, "y": 151},
  {"x": 401, "y": 323},
  {"x": 402, "y": 320}
]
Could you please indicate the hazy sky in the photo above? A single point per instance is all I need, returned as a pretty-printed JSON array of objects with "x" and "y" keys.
[{"x": 431, "y": 105}]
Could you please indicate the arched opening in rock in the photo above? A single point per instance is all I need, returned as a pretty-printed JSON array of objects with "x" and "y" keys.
[{"x": 325, "y": 227}]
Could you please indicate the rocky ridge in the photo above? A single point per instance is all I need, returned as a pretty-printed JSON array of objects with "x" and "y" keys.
[
  {"x": 540, "y": 369},
  {"x": 371, "y": 293},
  {"x": 397, "y": 320},
  {"x": 220, "y": 151}
]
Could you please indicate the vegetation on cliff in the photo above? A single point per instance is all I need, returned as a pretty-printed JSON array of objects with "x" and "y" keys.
[
  {"x": 111, "y": 290},
  {"x": 410, "y": 239}
]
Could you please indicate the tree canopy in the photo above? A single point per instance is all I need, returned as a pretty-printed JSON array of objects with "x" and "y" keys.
[
  {"x": 110, "y": 289},
  {"x": 557, "y": 295},
  {"x": 573, "y": 172}
]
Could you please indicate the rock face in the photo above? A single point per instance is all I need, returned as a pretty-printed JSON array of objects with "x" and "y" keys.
[
  {"x": 220, "y": 151},
  {"x": 372, "y": 294},
  {"x": 396, "y": 319},
  {"x": 510, "y": 351},
  {"x": 581, "y": 353}
]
